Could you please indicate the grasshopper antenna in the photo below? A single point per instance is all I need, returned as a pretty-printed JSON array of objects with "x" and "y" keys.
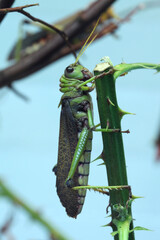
[{"x": 85, "y": 46}]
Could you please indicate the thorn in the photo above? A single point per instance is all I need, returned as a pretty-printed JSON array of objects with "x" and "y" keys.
[
  {"x": 107, "y": 124},
  {"x": 107, "y": 209},
  {"x": 110, "y": 102},
  {"x": 126, "y": 131},
  {"x": 122, "y": 113},
  {"x": 101, "y": 156},
  {"x": 108, "y": 225},
  {"x": 25, "y": 98},
  {"x": 101, "y": 191},
  {"x": 135, "y": 197},
  {"x": 108, "y": 216},
  {"x": 123, "y": 74},
  {"x": 101, "y": 164}
]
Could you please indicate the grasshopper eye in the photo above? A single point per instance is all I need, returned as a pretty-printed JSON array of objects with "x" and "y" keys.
[{"x": 69, "y": 69}]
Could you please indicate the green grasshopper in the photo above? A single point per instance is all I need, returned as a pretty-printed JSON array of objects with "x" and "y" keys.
[{"x": 75, "y": 137}]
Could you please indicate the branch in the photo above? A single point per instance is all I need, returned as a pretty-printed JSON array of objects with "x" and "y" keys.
[
  {"x": 20, "y": 10},
  {"x": 100, "y": 32},
  {"x": 35, "y": 215},
  {"x": 42, "y": 57},
  {"x": 61, "y": 33},
  {"x": 5, "y": 4},
  {"x": 16, "y": 9}
]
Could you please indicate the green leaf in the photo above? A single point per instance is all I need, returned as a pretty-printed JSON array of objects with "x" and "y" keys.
[
  {"x": 139, "y": 228},
  {"x": 125, "y": 68},
  {"x": 114, "y": 233}
]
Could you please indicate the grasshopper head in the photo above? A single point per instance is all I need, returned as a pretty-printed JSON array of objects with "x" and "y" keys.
[{"x": 76, "y": 71}]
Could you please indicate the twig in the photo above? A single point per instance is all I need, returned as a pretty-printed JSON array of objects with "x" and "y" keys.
[
  {"x": 61, "y": 33},
  {"x": 16, "y": 9},
  {"x": 5, "y": 4},
  {"x": 20, "y": 10},
  {"x": 35, "y": 215}
]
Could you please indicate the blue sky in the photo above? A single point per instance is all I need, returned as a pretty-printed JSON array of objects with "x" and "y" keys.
[{"x": 29, "y": 131}]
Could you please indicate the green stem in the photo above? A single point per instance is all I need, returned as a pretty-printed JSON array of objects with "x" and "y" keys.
[
  {"x": 123, "y": 230},
  {"x": 114, "y": 158},
  {"x": 7, "y": 193},
  {"x": 124, "y": 68},
  {"x": 113, "y": 145}
]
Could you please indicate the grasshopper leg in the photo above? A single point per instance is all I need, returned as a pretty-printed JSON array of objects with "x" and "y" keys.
[
  {"x": 92, "y": 79},
  {"x": 94, "y": 127},
  {"x": 77, "y": 155},
  {"x": 82, "y": 143}
]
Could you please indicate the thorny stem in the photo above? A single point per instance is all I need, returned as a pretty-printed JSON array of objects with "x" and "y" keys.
[
  {"x": 114, "y": 157},
  {"x": 113, "y": 150},
  {"x": 35, "y": 215}
]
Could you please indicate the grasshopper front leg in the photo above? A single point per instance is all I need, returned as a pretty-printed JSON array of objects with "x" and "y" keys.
[{"x": 83, "y": 86}]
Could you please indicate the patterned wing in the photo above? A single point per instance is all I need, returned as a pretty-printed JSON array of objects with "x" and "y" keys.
[{"x": 68, "y": 138}]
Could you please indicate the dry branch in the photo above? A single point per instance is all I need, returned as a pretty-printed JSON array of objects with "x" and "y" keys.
[
  {"x": 5, "y": 4},
  {"x": 44, "y": 56},
  {"x": 16, "y": 9}
]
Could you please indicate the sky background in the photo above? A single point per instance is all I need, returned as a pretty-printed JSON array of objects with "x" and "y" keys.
[{"x": 29, "y": 131}]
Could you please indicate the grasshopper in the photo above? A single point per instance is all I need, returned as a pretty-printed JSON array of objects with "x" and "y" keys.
[{"x": 75, "y": 136}]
